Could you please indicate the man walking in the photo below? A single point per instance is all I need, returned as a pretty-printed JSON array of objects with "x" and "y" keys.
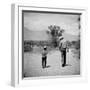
[{"x": 63, "y": 49}]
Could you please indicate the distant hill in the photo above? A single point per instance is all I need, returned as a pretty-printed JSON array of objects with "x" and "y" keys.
[
  {"x": 70, "y": 37},
  {"x": 43, "y": 36},
  {"x": 36, "y": 35}
]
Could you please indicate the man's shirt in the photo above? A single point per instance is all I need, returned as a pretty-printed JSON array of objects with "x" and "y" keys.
[{"x": 62, "y": 45}]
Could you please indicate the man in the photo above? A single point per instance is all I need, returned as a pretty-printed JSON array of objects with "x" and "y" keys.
[
  {"x": 44, "y": 57},
  {"x": 63, "y": 48}
]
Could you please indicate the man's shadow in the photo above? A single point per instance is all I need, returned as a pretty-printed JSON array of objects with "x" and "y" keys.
[{"x": 68, "y": 65}]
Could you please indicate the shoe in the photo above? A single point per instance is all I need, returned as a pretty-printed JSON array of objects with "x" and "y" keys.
[{"x": 63, "y": 65}]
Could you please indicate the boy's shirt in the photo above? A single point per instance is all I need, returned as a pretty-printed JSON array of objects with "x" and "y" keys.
[{"x": 44, "y": 53}]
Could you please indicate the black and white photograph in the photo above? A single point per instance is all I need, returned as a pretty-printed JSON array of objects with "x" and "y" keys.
[{"x": 51, "y": 43}]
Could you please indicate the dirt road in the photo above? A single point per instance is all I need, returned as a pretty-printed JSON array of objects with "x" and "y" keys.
[{"x": 33, "y": 65}]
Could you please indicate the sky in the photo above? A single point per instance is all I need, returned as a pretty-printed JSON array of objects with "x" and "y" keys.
[{"x": 40, "y": 21}]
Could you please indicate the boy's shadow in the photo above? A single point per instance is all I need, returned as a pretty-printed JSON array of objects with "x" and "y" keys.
[{"x": 47, "y": 66}]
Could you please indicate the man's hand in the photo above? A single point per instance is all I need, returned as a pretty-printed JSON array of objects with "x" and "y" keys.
[{"x": 67, "y": 49}]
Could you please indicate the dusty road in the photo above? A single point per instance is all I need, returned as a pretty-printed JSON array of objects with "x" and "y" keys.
[{"x": 33, "y": 65}]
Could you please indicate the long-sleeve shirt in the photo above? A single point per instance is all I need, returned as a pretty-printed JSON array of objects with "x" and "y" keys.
[
  {"x": 63, "y": 45},
  {"x": 44, "y": 53}
]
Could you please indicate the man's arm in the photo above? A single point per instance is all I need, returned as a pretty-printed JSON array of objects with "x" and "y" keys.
[
  {"x": 67, "y": 48},
  {"x": 60, "y": 46}
]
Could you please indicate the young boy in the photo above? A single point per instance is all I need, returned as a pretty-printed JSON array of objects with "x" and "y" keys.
[{"x": 44, "y": 57}]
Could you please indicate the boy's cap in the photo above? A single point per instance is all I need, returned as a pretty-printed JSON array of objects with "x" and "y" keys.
[{"x": 45, "y": 46}]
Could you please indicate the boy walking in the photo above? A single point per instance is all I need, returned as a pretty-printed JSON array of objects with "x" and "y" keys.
[{"x": 44, "y": 57}]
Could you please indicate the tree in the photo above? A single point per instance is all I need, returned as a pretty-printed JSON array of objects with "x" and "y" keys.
[{"x": 55, "y": 32}]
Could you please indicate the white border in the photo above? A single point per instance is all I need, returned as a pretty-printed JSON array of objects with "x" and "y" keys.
[{"x": 17, "y": 46}]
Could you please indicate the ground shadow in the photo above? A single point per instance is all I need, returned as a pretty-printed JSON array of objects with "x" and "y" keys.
[
  {"x": 68, "y": 65},
  {"x": 48, "y": 66}
]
